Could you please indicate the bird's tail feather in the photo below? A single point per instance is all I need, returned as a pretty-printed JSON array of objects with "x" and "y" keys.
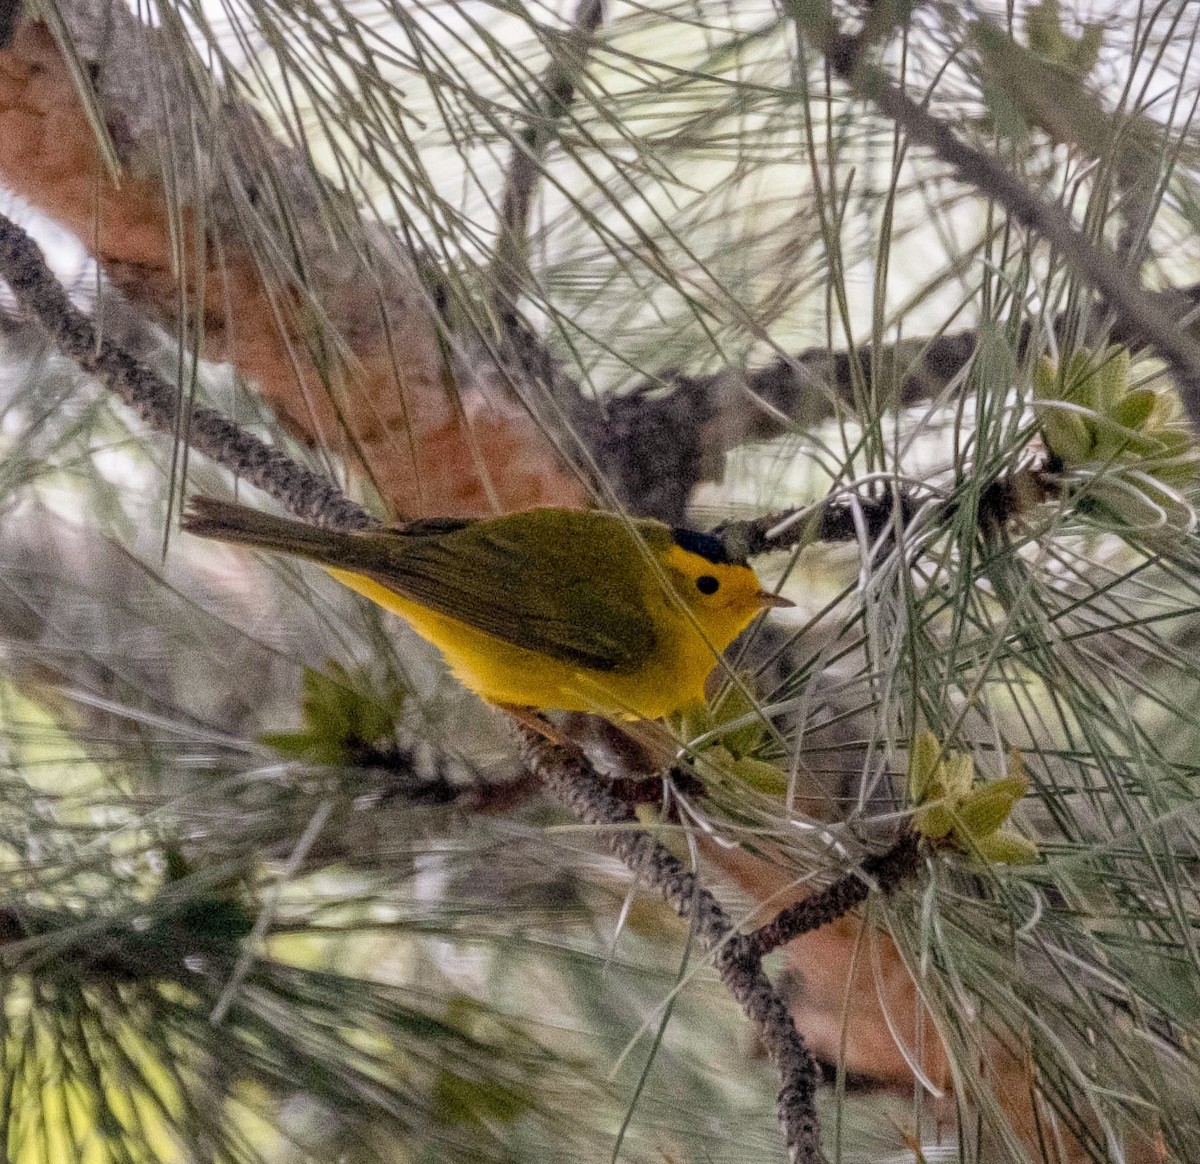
[{"x": 226, "y": 521}]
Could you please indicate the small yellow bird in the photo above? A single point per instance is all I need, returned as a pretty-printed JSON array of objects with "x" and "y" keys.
[{"x": 555, "y": 609}]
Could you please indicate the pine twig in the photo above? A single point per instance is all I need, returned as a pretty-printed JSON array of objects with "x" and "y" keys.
[
  {"x": 1137, "y": 311},
  {"x": 839, "y": 518},
  {"x": 508, "y": 270},
  {"x": 38, "y": 292},
  {"x": 568, "y": 777},
  {"x": 835, "y": 519},
  {"x": 887, "y": 870},
  {"x": 654, "y": 446}
]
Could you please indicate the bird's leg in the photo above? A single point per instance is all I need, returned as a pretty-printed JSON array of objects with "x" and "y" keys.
[{"x": 527, "y": 717}]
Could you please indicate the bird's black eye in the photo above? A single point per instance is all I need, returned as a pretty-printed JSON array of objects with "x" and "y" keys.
[{"x": 707, "y": 584}]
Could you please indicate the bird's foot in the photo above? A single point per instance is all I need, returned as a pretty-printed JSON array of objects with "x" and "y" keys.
[{"x": 534, "y": 721}]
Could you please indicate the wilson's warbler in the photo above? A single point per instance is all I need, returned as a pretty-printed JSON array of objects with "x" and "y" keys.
[{"x": 552, "y": 608}]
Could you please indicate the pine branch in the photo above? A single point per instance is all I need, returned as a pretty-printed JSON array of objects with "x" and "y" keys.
[
  {"x": 845, "y": 518},
  {"x": 568, "y": 777},
  {"x": 509, "y": 272},
  {"x": 887, "y": 870},
  {"x": 1137, "y": 311},
  {"x": 252, "y": 257},
  {"x": 655, "y": 447},
  {"x": 301, "y": 491},
  {"x": 737, "y": 957}
]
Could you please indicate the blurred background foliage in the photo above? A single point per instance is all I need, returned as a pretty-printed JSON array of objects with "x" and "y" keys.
[{"x": 274, "y": 887}]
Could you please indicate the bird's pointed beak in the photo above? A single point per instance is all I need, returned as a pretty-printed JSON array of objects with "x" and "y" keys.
[{"x": 765, "y": 598}]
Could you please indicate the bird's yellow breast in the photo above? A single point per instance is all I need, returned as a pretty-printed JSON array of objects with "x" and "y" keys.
[{"x": 686, "y": 650}]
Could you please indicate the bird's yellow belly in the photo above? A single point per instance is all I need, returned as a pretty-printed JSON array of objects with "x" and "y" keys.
[{"x": 501, "y": 672}]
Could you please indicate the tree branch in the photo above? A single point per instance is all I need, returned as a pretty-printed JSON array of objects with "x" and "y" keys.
[
  {"x": 888, "y": 869},
  {"x": 569, "y": 778},
  {"x": 509, "y": 269},
  {"x": 249, "y": 256},
  {"x": 302, "y": 492},
  {"x": 1139, "y": 313}
]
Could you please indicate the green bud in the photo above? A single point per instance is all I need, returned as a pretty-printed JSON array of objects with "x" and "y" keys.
[
  {"x": 1046, "y": 385},
  {"x": 1178, "y": 470},
  {"x": 1108, "y": 378},
  {"x": 1043, "y": 29},
  {"x": 1087, "y": 48},
  {"x": 1067, "y": 434},
  {"x": 959, "y": 775},
  {"x": 1079, "y": 383},
  {"x": 988, "y": 806},
  {"x": 1135, "y": 408},
  {"x": 923, "y": 760},
  {"x": 935, "y": 822},
  {"x": 1006, "y": 848},
  {"x": 737, "y": 704},
  {"x": 760, "y": 775}
]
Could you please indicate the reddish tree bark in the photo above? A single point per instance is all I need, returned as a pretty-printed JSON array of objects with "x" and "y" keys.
[{"x": 433, "y": 434}]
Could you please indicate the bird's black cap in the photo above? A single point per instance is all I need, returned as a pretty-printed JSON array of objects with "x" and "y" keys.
[{"x": 709, "y": 547}]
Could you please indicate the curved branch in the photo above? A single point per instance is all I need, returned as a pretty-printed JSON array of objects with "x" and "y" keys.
[
  {"x": 508, "y": 270},
  {"x": 1138, "y": 312},
  {"x": 307, "y": 494},
  {"x": 569, "y": 778},
  {"x": 231, "y": 239}
]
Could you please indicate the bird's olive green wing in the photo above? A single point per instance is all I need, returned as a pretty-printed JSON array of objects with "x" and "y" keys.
[{"x": 564, "y": 584}]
